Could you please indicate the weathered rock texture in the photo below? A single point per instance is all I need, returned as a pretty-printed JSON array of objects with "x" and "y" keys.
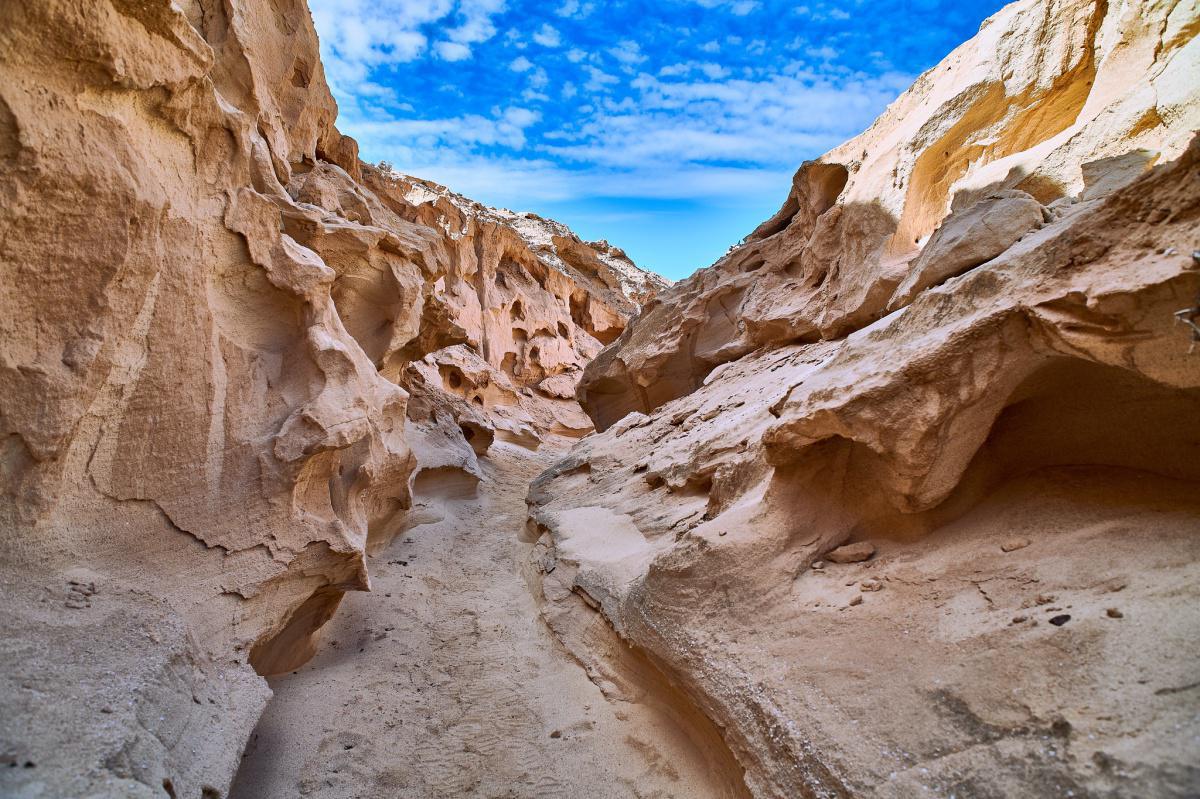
[
  {"x": 1016, "y": 439},
  {"x": 213, "y": 318}
]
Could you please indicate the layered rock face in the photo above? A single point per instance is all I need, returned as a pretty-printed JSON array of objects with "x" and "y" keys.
[
  {"x": 903, "y": 491},
  {"x": 233, "y": 359}
]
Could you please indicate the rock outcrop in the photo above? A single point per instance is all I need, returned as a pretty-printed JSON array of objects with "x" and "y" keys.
[
  {"x": 214, "y": 319},
  {"x": 957, "y": 349},
  {"x": 1046, "y": 99}
]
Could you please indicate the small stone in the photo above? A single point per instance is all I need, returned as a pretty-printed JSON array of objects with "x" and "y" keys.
[
  {"x": 871, "y": 584},
  {"x": 556, "y": 734},
  {"x": 818, "y": 565},
  {"x": 1018, "y": 619},
  {"x": 722, "y": 532},
  {"x": 1013, "y": 544},
  {"x": 857, "y": 599},
  {"x": 1114, "y": 613},
  {"x": 1045, "y": 599},
  {"x": 852, "y": 553},
  {"x": 1059, "y": 621}
]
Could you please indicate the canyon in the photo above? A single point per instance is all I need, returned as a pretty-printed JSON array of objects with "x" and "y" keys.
[{"x": 322, "y": 479}]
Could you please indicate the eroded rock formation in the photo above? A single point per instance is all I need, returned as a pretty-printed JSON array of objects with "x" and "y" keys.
[
  {"x": 1048, "y": 96},
  {"x": 957, "y": 348},
  {"x": 900, "y": 495},
  {"x": 214, "y": 319}
]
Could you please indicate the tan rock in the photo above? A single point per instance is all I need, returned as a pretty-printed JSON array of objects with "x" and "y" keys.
[
  {"x": 1013, "y": 544},
  {"x": 213, "y": 321},
  {"x": 999, "y": 394},
  {"x": 969, "y": 238},
  {"x": 851, "y": 553}
]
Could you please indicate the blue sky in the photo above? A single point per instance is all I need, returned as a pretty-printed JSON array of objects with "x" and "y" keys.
[{"x": 670, "y": 128}]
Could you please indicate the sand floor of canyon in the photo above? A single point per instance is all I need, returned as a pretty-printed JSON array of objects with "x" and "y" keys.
[{"x": 444, "y": 681}]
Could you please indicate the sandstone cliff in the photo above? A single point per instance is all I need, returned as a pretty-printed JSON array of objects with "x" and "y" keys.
[
  {"x": 214, "y": 320},
  {"x": 903, "y": 491}
]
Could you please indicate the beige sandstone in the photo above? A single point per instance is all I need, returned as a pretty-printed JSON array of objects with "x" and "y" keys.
[
  {"x": 962, "y": 331},
  {"x": 224, "y": 341},
  {"x": 244, "y": 373}
]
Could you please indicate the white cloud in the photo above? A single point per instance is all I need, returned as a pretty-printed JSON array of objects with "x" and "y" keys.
[
  {"x": 538, "y": 78},
  {"x": 404, "y": 141},
  {"x": 620, "y": 121},
  {"x": 573, "y": 8},
  {"x": 628, "y": 52},
  {"x": 825, "y": 52},
  {"x": 737, "y": 7},
  {"x": 521, "y": 117},
  {"x": 598, "y": 79},
  {"x": 359, "y": 36},
  {"x": 452, "y": 51},
  {"x": 765, "y": 124},
  {"x": 477, "y": 20},
  {"x": 548, "y": 36}
]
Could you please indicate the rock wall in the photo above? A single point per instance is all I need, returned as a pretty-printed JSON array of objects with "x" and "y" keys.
[
  {"x": 903, "y": 491},
  {"x": 214, "y": 320}
]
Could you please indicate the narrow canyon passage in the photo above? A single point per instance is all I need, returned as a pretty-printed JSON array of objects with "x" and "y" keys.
[{"x": 444, "y": 681}]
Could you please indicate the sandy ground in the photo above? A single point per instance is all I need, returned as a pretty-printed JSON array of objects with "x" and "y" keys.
[{"x": 444, "y": 681}]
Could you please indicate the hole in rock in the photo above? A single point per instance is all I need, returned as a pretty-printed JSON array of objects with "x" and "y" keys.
[
  {"x": 296, "y": 643},
  {"x": 1102, "y": 422},
  {"x": 444, "y": 482},
  {"x": 478, "y": 436}
]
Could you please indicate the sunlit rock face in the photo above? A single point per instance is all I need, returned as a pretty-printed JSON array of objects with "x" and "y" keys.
[
  {"x": 223, "y": 343},
  {"x": 966, "y": 343}
]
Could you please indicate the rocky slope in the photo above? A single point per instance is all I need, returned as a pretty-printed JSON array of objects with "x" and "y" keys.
[
  {"x": 903, "y": 491},
  {"x": 234, "y": 360}
]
